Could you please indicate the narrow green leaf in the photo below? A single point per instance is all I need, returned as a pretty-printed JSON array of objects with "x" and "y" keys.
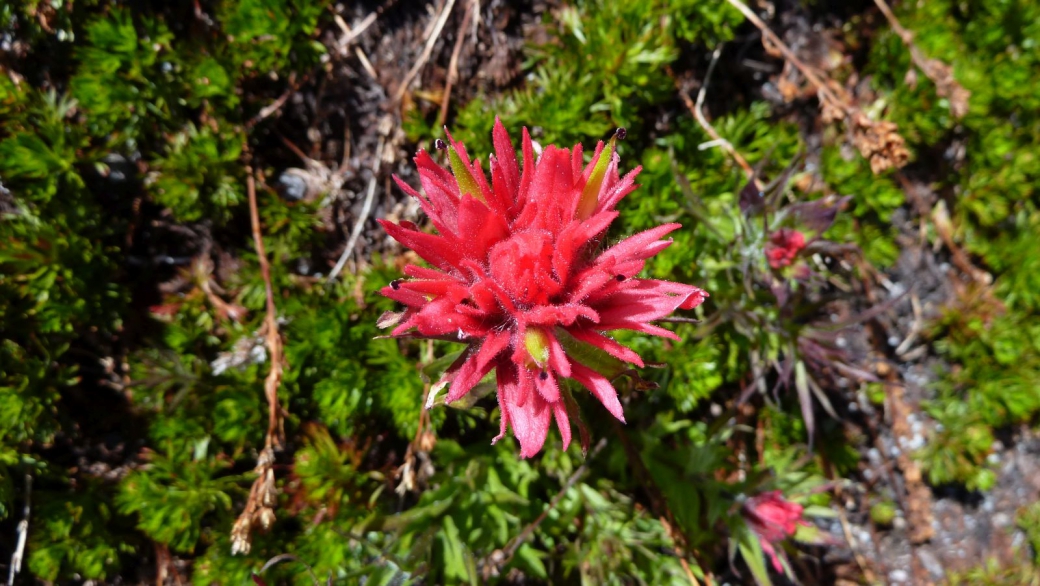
[
  {"x": 591, "y": 356},
  {"x": 467, "y": 183},
  {"x": 590, "y": 195},
  {"x": 528, "y": 557},
  {"x": 801, "y": 384},
  {"x": 754, "y": 557}
]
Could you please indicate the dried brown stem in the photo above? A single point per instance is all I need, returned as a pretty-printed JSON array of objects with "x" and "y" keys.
[
  {"x": 698, "y": 114},
  {"x": 940, "y": 73},
  {"x": 682, "y": 559},
  {"x": 427, "y": 50},
  {"x": 355, "y": 33},
  {"x": 453, "y": 65},
  {"x": 270, "y": 109},
  {"x": 263, "y": 496},
  {"x": 259, "y": 509},
  {"x": 824, "y": 90},
  {"x": 940, "y": 217},
  {"x": 878, "y": 141},
  {"x": 351, "y": 35},
  {"x": 275, "y": 434},
  {"x": 846, "y": 529},
  {"x": 366, "y": 209}
]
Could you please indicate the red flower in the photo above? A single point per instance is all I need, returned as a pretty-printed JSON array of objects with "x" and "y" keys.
[
  {"x": 773, "y": 519},
  {"x": 784, "y": 245},
  {"x": 518, "y": 265}
]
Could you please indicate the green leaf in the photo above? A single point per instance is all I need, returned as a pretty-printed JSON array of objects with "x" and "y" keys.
[{"x": 463, "y": 176}]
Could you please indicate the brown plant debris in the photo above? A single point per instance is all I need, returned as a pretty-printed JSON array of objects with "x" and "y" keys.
[
  {"x": 878, "y": 141},
  {"x": 259, "y": 511},
  {"x": 940, "y": 73}
]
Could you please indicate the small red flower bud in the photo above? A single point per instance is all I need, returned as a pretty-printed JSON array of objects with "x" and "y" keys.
[{"x": 784, "y": 245}]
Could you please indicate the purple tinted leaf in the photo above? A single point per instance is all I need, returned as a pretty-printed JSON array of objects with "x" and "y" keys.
[{"x": 751, "y": 199}]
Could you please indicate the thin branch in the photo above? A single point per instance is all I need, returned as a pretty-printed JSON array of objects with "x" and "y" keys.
[
  {"x": 682, "y": 559},
  {"x": 940, "y": 73},
  {"x": 359, "y": 224},
  {"x": 877, "y": 140},
  {"x": 698, "y": 113},
  {"x": 821, "y": 86},
  {"x": 453, "y": 65},
  {"x": 350, "y": 36},
  {"x": 276, "y": 105},
  {"x": 275, "y": 436},
  {"x": 904, "y": 34},
  {"x": 861, "y": 561},
  {"x": 427, "y": 50},
  {"x": 356, "y": 32}
]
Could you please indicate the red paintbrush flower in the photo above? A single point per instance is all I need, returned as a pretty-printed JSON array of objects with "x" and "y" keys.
[
  {"x": 517, "y": 266},
  {"x": 773, "y": 519}
]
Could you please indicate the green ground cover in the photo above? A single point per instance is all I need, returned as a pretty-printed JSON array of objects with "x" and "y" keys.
[{"x": 124, "y": 140}]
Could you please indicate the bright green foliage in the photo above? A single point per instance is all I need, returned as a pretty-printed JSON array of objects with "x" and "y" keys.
[
  {"x": 606, "y": 64},
  {"x": 199, "y": 175},
  {"x": 125, "y": 82},
  {"x": 79, "y": 535},
  {"x": 265, "y": 35},
  {"x": 958, "y": 452},
  {"x": 1029, "y": 521},
  {"x": 174, "y": 492}
]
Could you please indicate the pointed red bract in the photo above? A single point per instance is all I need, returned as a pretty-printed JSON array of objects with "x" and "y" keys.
[{"x": 515, "y": 262}]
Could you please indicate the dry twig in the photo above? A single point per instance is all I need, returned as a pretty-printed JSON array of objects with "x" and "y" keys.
[
  {"x": 276, "y": 105},
  {"x": 385, "y": 128},
  {"x": 275, "y": 434},
  {"x": 263, "y": 496},
  {"x": 846, "y": 529},
  {"x": 350, "y": 35},
  {"x": 453, "y": 65},
  {"x": 940, "y": 73},
  {"x": 431, "y": 40},
  {"x": 356, "y": 32},
  {"x": 698, "y": 113},
  {"x": 682, "y": 559}
]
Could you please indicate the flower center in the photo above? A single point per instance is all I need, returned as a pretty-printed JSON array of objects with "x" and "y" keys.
[{"x": 522, "y": 266}]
